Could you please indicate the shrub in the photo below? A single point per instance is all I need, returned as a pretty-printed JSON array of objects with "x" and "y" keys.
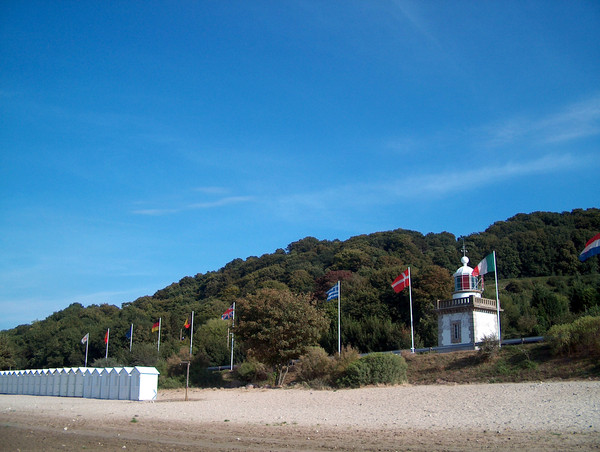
[
  {"x": 341, "y": 362},
  {"x": 488, "y": 348},
  {"x": 376, "y": 368},
  {"x": 315, "y": 364},
  {"x": 580, "y": 337},
  {"x": 252, "y": 371},
  {"x": 171, "y": 382}
]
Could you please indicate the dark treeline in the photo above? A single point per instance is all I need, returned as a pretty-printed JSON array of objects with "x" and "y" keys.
[{"x": 541, "y": 283}]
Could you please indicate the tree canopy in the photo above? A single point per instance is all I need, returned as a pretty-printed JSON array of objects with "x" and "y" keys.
[{"x": 541, "y": 283}]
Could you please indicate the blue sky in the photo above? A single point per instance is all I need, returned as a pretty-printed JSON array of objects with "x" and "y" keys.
[{"x": 142, "y": 142}]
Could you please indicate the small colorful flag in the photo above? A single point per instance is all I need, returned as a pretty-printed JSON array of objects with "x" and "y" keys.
[
  {"x": 85, "y": 338},
  {"x": 187, "y": 323},
  {"x": 128, "y": 334},
  {"x": 334, "y": 292},
  {"x": 401, "y": 282},
  {"x": 488, "y": 264},
  {"x": 228, "y": 314},
  {"x": 592, "y": 247},
  {"x": 156, "y": 326},
  {"x": 106, "y": 337}
]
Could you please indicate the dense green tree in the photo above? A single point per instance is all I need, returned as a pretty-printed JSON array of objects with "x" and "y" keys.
[
  {"x": 277, "y": 326},
  {"x": 212, "y": 340}
]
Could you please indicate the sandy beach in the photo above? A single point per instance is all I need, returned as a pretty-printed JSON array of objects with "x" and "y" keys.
[{"x": 523, "y": 416}]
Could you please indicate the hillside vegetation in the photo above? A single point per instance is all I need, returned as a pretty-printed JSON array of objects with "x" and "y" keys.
[{"x": 541, "y": 282}]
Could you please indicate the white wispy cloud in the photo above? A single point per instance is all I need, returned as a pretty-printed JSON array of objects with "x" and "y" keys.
[
  {"x": 574, "y": 121},
  {"x": 423, "y": 186},
  {"x": 213, "y": 203}
]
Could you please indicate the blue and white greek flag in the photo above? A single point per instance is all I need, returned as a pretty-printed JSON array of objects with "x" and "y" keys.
[{"x": 334, "y": 292}]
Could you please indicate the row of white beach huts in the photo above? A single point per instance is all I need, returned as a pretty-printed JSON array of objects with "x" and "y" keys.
[{"x": 117, "y": 383}]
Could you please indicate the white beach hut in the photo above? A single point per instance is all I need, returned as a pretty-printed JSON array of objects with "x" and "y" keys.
[
  {"x": 26, "y": 376},
  {"x": 78, "y": 381},
  {"x": 105, "y": 382},
  {"x": 37, "y": 380},
  {"x": 113, "y": 393},
  {"x": 63, "y": 377},
  {"x": 70, "y": 375},
  {"x": 18, "y": 382},
  {"x": 125, "y": 378},
  {"x": 55, "y": 376},
  {"x": 88, "y": 381},
  {"x": 44, "y": 379},
  {"x": 96, "y": 386},
  {"x": 144, "y": 383}
]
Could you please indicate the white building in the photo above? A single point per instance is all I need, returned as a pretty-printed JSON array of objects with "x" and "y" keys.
[{"x": 466, "y": 318}]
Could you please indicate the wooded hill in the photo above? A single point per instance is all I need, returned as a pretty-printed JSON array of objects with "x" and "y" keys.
[{"x": 541, "y": 283}]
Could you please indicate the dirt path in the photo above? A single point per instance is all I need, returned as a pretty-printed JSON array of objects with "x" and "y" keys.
[{"x": 527, "y": 416}]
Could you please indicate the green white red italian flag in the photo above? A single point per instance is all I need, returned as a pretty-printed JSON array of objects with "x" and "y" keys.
[{"x": 488, "y": 264}]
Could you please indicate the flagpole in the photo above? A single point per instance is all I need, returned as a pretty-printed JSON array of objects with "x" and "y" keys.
[
  {"x": 497, "y": 299},
  {"x": 232, "y": 334},
  {"x": 159, "y": 325},
  {"x": 412, "y": 334},
  {"x": 107, "y": 339},
  {"x": 339, "y": 319},
  {"x": 192, "y": 333},
  {"x": 87, "y": 341},
  {"x": 131, "y": 337}
]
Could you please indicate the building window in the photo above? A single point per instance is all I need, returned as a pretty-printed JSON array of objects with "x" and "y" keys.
[{"x": 455, "y": 331}]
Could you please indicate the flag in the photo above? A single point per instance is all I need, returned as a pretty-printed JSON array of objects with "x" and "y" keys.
[
  {"x": 228, "y": 314},
  {"x": 155, "y": 326},
  {"x": 85, "y": 338},
  {"x": 592, "y": 247},
  {"x": 128, "y": 334},
  {"x": 334, "y": 292},
  {"x": 401, "y": 282},
  {"x": 488, "y": 264},
  {"x": 106, "y": 337},
  {"x": 187, "y": 324}
]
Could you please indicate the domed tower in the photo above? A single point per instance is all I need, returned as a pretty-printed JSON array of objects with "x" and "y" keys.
[
  {"x": 465, "y": 284},
  {"x": 467, "y": 318}
]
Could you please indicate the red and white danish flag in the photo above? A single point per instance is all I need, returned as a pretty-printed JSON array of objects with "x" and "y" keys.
[{"x": 401, "y": 281}]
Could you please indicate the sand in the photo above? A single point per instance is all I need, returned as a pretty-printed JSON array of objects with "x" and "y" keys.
[{"x": 523, "y": 416}]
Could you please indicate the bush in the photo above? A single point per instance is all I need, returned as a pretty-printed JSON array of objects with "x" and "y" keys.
[
  {"x": 580, "y": 337},
  {"x": 342, "y": 361},
  {"x": 171, "y": 382},
  {"x": 315, "y": 364},
  {"x": 376, "y": 368},
  {"x": 252, "y": 371},
  {"x": 488, "y": 348}
]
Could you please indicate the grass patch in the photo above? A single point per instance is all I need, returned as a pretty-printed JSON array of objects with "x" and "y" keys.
[{"x": 528, "y": 362}]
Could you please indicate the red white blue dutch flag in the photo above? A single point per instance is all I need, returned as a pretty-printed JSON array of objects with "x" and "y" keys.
[{"x": 592, "y": 247}]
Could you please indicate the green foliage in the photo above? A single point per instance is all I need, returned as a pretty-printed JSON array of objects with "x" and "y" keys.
[
  {"x": 277, "y": 326},
  {"x": 377, "y": 368},
  {"x": 143, "y": 354},
  {"x": 252, "y": 371},
  {"x": 212, "y": 340},
  {"x": 106, "y": 362},
  {"x": 315, "y": 364},
  {"x": 171, "y": 382},
  {"x": 488, "y": 349},
  {"x": 7, "y": 361},
  {"x": 582, "y": 337},
  {"x": 542, "y": 284}
]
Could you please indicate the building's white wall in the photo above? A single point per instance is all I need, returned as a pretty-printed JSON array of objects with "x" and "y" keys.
[
  {"x": 444, "y": 327},
  {"x": 486, "y": 325}
]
